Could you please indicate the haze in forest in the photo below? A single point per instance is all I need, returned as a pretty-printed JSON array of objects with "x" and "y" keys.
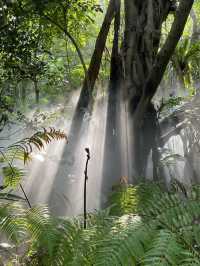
[{"x": 99, "y": 98}]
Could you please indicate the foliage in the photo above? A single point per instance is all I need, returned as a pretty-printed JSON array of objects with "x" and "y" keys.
[
  {"x": 30, "y": 46},
  {"x": 20, "y": 42},
  {"x": 38, "y": 140},
  {"x": 170, "y": 105},
  {"x": 8, "y": 113},
  {"x": 21, "y": 150},
  {"x": 145, "y": 226},
  {"x": 186, "y": 61}
]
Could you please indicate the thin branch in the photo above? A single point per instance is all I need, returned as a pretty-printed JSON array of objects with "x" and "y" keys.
[
  {"x": 71, "y": 38},
  {"x": 95, "y": 62}
]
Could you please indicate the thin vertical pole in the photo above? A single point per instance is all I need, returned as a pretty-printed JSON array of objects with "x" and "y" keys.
[{"x": 85, "y": 187}]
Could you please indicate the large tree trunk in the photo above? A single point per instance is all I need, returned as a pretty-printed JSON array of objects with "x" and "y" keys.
[
  {"x": 145, "y": 66},
  {"x": 95, "y": 62},
  {"x": 85, "y": 101},
  {"x": 143, "y": 23},
  {"x": 112, "y": 155}
]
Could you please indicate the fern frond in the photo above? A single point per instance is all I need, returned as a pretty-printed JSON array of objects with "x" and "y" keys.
[
  {"x": 12, "y": 176},
  {"x": 176, "y": 212},
  {"x": 132, "y": 199},
  {"x": 189, "y": 259},
  {"x": 24, "y": 147},
  {"x": 12, "y": 221},
  {"x": 125, "y": 244},
  {"x": 162, "y": 228},
  {"x": 164, "y": 250},
  {"x": 8, "y": 196},
  {"x": 39, "y": 223}
]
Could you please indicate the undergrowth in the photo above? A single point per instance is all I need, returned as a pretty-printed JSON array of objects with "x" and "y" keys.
[{"x": 145, "y": 225}]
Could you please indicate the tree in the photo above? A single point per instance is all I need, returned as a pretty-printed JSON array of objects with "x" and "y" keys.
[
  {"x": 85, "y": 101},
  {"x": 22, "y": 42},
  {"x": 141, "y": 67},
  {"x": 144, "y": 63},
  {"x": 112, "y": 164},
  {"x": 156, "y": 66}
]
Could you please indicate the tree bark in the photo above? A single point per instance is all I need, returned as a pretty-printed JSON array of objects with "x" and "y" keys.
[
  {"x": 144, "y": 91},
  {"x": 95, "y": 62},
  {"x": 112, "y": 155},
  {"x": 167, "y": 50},
  {"x": 143, "y": 23}
]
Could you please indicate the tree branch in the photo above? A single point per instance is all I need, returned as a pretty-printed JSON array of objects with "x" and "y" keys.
[
  {"x": 163, "y": 58},
  {"x": 71, "y": 38},
  {"x": 168, "y": 49},
  {"x": 95, "y": 62}
]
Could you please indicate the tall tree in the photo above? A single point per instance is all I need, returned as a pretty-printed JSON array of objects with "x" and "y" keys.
[
  {"x": 85, "y": 101},
  {"x": 144, "y": 63},
  {"x": 112, "y": 152},
  {"x": 158, "y": 62},
  {"x": 86, "y": 97}
]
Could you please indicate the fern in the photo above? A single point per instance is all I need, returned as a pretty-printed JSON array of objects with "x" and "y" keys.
[
  {"x": 24, "y": 148},
  {"x": 19, "y": 224},
  {"x": 131, "y": 199},
  {"x": 8, "y": 196},
  {"x": 12, "y": 176},
  {"x": 12, "y": 221},
  {"x": 159, "y": 228},
  {"x": 125, "y": 244},
  {"x": 164, "y": 250}
]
